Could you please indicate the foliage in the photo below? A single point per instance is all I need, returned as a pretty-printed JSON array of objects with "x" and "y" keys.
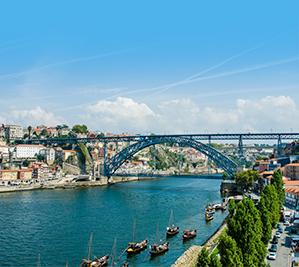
[
  {"x": 270, "y": 199},
  {"x": 278, "y": 184},
  {"x": 265, "y": 215},
  {"x": 203, "y": 258},
  {"x": 245, "y": 227},
  {"x": 246, "y": 179},
  {"x": 214, "y": 261},
  {"x": 231, "y": 207},
  {"x": 231, "y": 255},
  {"x": 26, "y": 163},
  {"x": 80, "y": 129}
]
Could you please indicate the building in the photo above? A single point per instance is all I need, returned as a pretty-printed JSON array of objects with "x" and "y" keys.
[
  {"x": 13, "y": 175},
  {"x": 266, "y": 165},
  {"x": 48, "y": 154},
  {"x": 292, "y": 171},
  {"x": 13, "y": 132},
  {"x": 292, "y": 196},
  {"x": 41, "y": 171},
  {"x": 28, "y": 151},
  {"x": 4, "y": 151}
]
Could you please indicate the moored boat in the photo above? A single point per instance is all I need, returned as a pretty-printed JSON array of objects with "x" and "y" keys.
[
  {"x": 159, "y": 249},
  {"x": 209, "y": 216},
  {"x": 134, "y": 248},
  {"x": 172, "y": 230},
  {"x": 97, "y": 262},
  {"x": 189, "y": 234},
  {"x": 125, "y": 264}
]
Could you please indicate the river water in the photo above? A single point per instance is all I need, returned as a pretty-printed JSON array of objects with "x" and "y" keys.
[{"x": 57, "y": 223}]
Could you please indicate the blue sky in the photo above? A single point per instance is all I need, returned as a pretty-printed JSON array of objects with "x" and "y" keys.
[{"x": 151, "y": 66}]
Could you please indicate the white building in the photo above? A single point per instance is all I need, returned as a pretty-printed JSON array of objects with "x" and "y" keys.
[
  {"x": 28, "y": 151},
  {"x": 49, "y": 154},
  {"x": 13, "y": 132}
]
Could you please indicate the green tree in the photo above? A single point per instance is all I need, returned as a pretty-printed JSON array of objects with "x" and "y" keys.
[
  {"x": 214, "y": 261},
  {"x": 278, "y": 184},
  {"x": 29, "y": 131},
  {"x": 265, "y": 215},
  {"x": 44, "y": 132},
  {"x": 203, "y": 258},
  {"x": 270, "y": 199},
  {"x": 245, "y": 227},
  {"x": 230, "y": 254},
  {"x": 246, "y": 179},
  {"x": 80, "y": 129}
]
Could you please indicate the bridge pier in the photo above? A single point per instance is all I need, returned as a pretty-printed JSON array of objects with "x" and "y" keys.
[
  {"x": 240, "y": 148},
  {"x": 279, "y": 146}
]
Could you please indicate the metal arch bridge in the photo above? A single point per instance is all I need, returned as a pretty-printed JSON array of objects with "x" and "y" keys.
[
  {"x": 192, "y": 140},
  {"x": 111, "y": 165}
]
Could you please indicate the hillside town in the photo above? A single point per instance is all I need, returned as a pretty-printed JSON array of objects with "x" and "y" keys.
[{"x": 35, "y": 165}]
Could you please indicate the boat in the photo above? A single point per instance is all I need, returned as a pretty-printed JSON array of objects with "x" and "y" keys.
[
  {"x": 96, "y": 262},
  {"x": 172, "y": 230},
  {"x": 125, "y": 264},
  {"x": 210, "y": 208},
  {"x": 134, "y": 248},
  {"x": 209, "y": 217},
  {"x": 159, "y": 249},
  {"x": 189, "y": 234}
]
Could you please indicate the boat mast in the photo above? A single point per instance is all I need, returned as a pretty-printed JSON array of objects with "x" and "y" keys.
[
  {"x": 113, "y": 253},
  {"x": 90, "y": 246},
  {"x": 38, "y": 260},
  {"x": 171, "y": 220},
  {"x": 134, "y": 229}
]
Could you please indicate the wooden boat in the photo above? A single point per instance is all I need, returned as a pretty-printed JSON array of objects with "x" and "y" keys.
[
  {"x": 159, "y": 249},
  {"x": 189, "y": 234},
  {"x": 125, "y": 264},
  {"x": 172, "y": 231},
  {"x": 97, "y": 262},
  {"x": 209, "y": 216},
  {"x": 134, "y": 248}
]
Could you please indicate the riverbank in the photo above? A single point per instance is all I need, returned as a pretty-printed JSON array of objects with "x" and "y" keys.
[
  {"x": 67, "y": 184},
  {"x": 190, "y": 256}
]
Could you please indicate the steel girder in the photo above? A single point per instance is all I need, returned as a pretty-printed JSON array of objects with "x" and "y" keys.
[
  {"x": 111, "y": 165},
  {"x": 137, "y": 138}
]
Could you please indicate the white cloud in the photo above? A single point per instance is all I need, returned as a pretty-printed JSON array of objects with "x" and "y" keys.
[
  {"x": 33, "y": 116},
  {"x": 184, "y": 115},
  {"x": 122, "y": 114}
]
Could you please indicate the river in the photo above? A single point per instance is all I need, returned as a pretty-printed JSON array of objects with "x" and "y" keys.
[{"x": 57, "y": 223}]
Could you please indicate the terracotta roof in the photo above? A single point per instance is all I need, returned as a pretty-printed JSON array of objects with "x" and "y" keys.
[
  {"x": 23, "y": 145},
  {"x": 293, "y": 165},
  {"x": 294, "y": 190},
  {"x": 291, "y": 183}
]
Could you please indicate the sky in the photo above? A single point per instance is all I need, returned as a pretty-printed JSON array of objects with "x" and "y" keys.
[{"x": 151, "y": 66}]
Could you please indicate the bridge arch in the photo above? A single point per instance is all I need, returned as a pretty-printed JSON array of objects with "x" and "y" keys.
[{"x": 224, "y": 162}]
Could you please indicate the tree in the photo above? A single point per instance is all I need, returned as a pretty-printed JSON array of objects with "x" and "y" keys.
[
  {"x": 270, "y": 199},
  {"x": 245, "y": 227},
  {"x": 44, "y": 132},
  {"x": 278, "y": 184},
  {"x": 29, "y": 131},
  {"x": 80, "y": 129},
  {"x": 246, "y": 179},
  {"x": 214, "y": 261},
  {"x": 203, "y": 258},
  {"x": 265, "y": 215},
  {"x": 230, "y": 254}
]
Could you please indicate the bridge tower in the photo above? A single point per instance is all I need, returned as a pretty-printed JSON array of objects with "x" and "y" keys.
[
  {"x": 240, "y": 148},
  {"x": 279, "y": 146}
]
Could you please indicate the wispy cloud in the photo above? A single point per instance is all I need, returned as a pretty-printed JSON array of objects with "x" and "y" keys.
[{"x": 60, "y": 63}]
